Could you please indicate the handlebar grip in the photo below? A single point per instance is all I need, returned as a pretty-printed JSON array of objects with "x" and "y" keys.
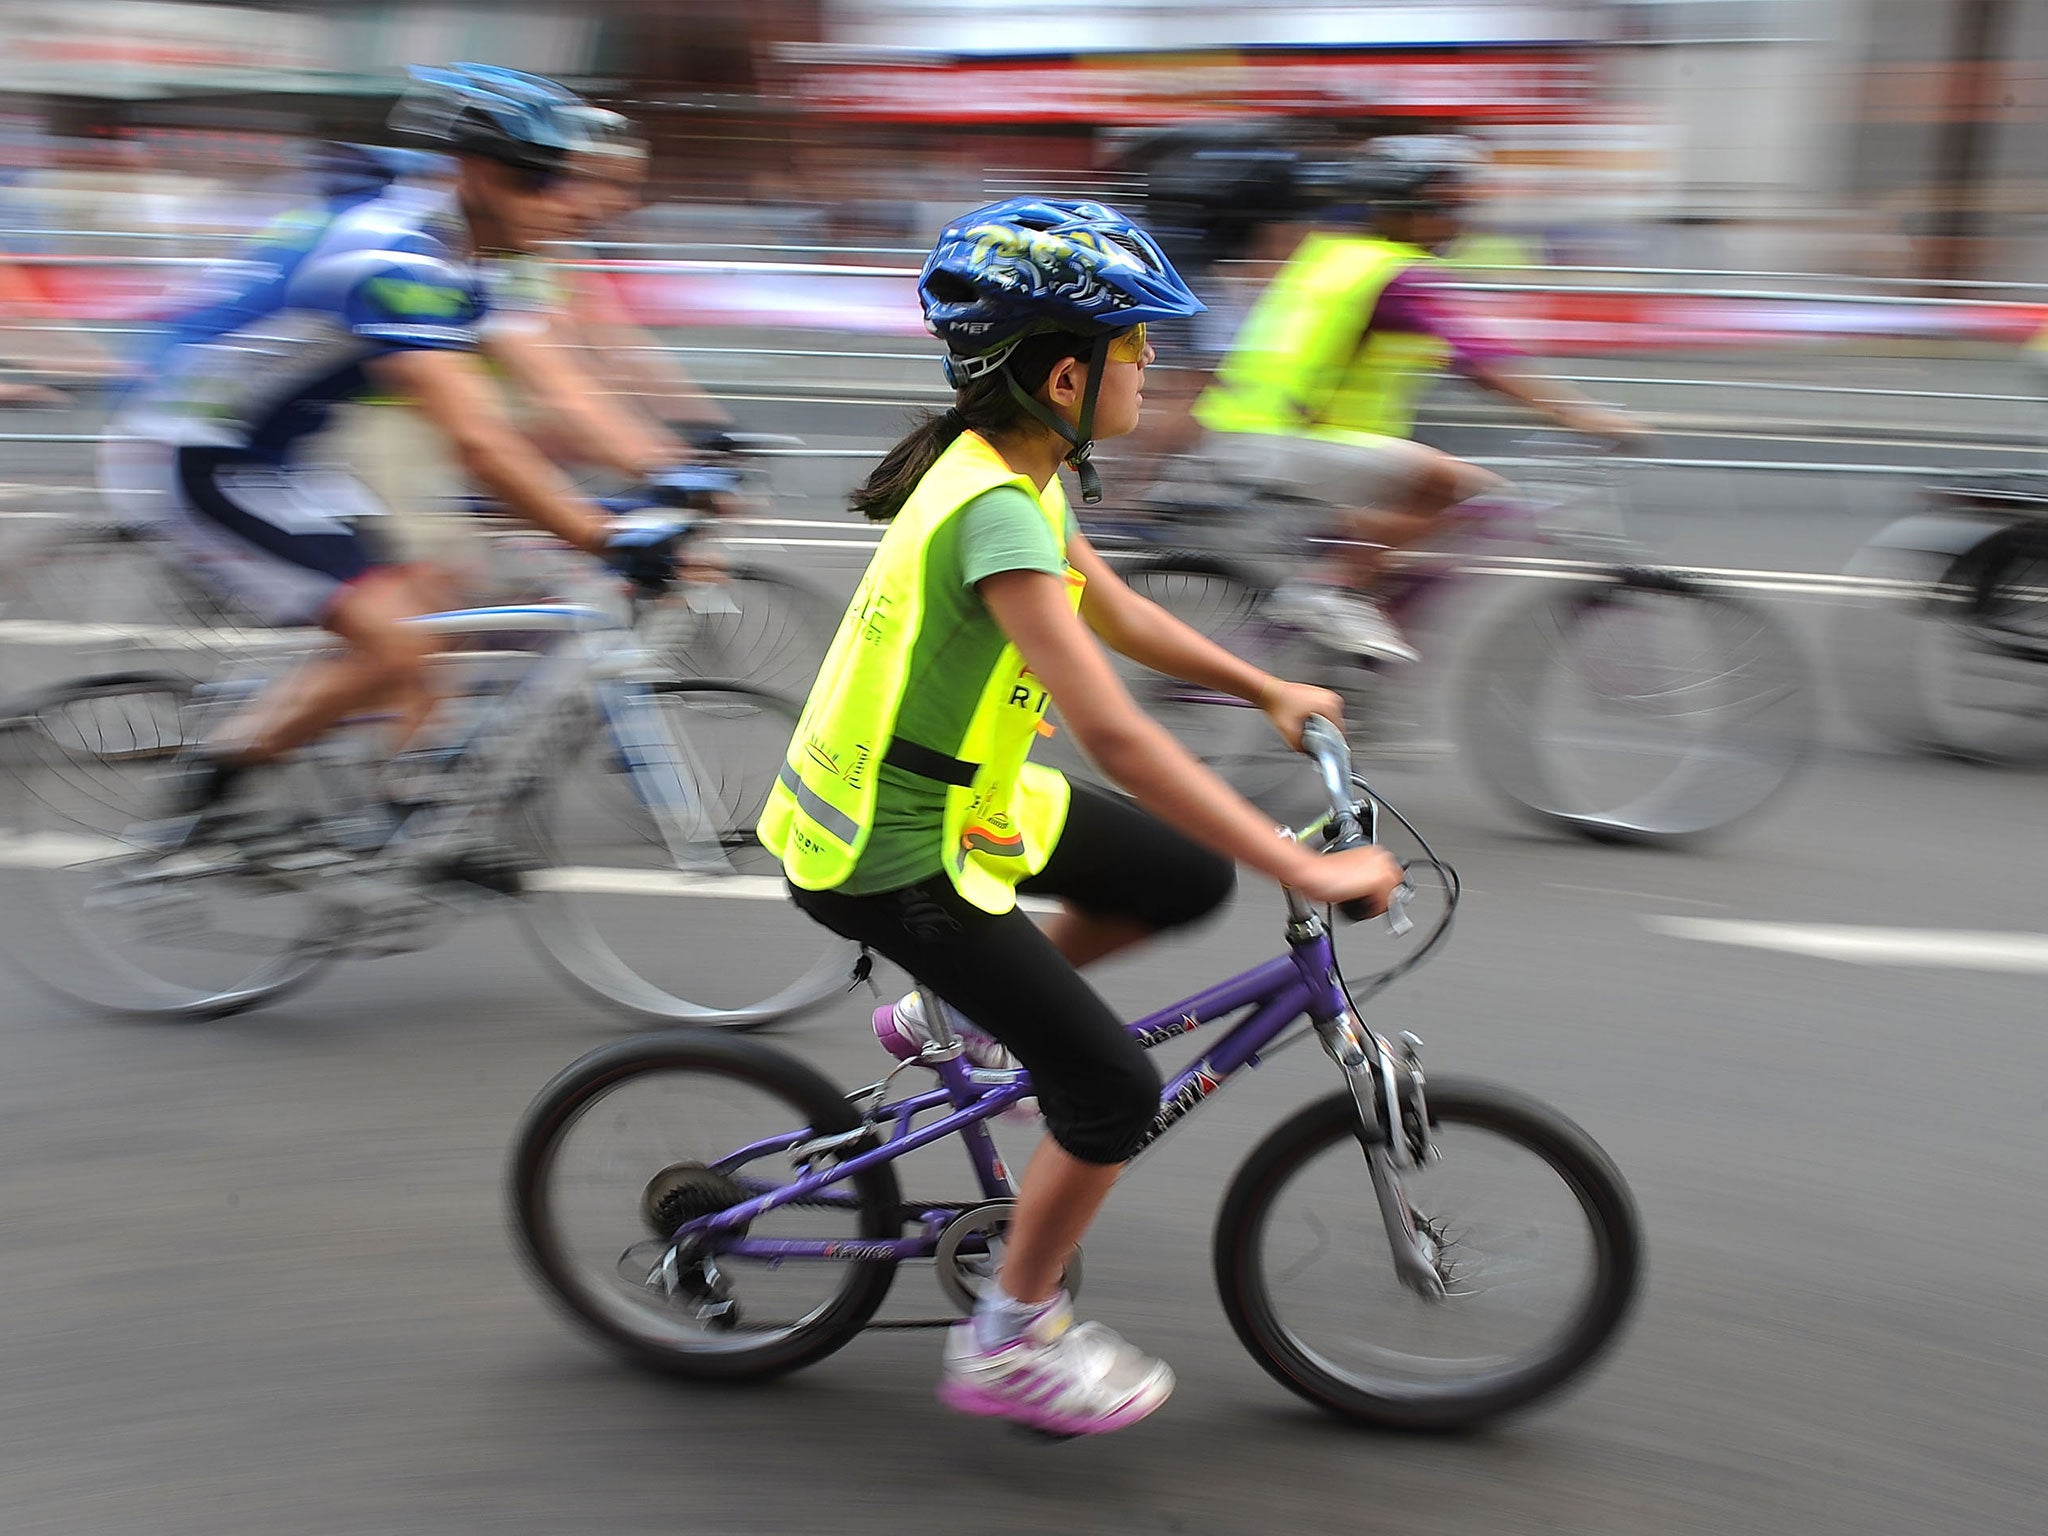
[{"x": 1398, "y": 920}]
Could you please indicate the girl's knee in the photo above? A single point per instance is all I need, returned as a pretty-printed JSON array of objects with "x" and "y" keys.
[
  {"x": 1204, "y": 884},
  {"x": 1106, "y": 1120}
]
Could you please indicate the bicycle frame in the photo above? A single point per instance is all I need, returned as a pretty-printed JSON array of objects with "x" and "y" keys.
[{"x": 1304, "y": 981}]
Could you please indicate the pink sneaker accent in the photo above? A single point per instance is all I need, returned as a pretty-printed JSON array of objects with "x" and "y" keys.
[
  {"x": 900, "y": 1027},
  {"x": 1062, "y": 1377}
]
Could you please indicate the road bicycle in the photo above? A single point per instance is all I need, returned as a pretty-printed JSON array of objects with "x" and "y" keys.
[
  {"x": 1616, "y": 699},
  {"x": 571, "y": 771},
  {"x": 1947, "y": 651},
  {"x": 1407, "y": 1253},
  {"x": 98, "y": 593}
]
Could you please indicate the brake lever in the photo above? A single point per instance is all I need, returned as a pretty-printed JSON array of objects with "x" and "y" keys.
[{"x": 1398, "y": 920}]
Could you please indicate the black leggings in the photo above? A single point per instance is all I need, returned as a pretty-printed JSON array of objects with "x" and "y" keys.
[{"x": 1096, "y": 1085}]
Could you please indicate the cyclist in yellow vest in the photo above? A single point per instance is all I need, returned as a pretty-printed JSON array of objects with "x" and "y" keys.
[
  {"x": 1316, "y": 400},
  {"x": 907, "y": 816}
]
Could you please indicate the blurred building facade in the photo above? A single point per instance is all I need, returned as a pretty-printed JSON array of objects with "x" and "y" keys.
[{"x": 1895, "y": 136}]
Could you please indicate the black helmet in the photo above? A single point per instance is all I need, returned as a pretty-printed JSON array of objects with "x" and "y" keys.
[
  {"x": 1412, "y": 172},
  {"x": 1209, "y": 186}
]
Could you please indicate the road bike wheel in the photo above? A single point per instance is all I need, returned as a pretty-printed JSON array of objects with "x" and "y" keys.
[
  {"x": 90, "y": 599},
  {"x": 670, "y": 908},
  {"x": 751, "y": 624},
  {"x": 84, "y": 909},
  {"x": 1638, "y": 709},
  {"x": 1226, "y": 603},
  {"x": 1949, "y": 651},
  {"x": 641, "y": 1136},
  {"x": 1538, "y": 1233}
]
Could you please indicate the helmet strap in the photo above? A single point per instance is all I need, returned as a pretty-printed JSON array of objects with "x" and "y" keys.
[{"x": 1081, "y": 437}]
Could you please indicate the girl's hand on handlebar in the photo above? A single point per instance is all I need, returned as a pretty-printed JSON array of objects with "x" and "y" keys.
[
  {"x": 1368, "y": 874},
  {"x": 1288, "y": 705}
]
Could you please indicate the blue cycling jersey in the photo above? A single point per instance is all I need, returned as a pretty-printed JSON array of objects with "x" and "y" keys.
[{"x": 275, "y": 339}]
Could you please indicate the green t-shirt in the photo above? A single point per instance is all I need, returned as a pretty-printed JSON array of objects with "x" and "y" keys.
[{"x": 957, "y": 645}]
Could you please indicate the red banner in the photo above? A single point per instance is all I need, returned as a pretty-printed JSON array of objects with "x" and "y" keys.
[{"x": 1524, "y": 87}]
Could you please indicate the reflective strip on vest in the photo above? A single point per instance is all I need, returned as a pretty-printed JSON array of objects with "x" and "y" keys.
[
  {"x": 997, "y": 830},
  {"x": 1305, "y": 357}
]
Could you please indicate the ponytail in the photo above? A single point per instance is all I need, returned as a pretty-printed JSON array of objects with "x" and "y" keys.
[{"x": 984, "y": 405}]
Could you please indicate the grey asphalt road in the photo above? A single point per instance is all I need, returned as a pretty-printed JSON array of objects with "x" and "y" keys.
[{"x": 257, "y": 1276}]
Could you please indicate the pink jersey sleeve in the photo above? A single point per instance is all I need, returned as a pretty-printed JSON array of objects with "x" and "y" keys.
[{"x": 1415, "y": 301}]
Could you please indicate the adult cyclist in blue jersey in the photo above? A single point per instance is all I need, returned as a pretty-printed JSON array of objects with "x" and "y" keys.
[{"x": 378, "y": 293}]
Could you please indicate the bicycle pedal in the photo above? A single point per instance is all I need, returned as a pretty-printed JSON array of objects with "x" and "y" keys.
[{"x": 501, "y": 871}]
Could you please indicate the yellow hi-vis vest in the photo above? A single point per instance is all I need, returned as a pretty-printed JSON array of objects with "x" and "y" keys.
[
  {"x": 1296, "y": 365},
  {"x": 1003, "y": 815}
]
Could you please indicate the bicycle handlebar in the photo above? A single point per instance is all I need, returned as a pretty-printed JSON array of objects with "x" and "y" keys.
[{"x": 1353, "y": 822}]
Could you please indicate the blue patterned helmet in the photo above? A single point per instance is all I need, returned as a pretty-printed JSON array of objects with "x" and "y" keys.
[
  {"x": 502, "y": 114},
  {"x": 1031, "y": 264}
]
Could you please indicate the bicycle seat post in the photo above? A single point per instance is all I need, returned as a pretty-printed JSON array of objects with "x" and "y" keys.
[{"x": 939, "y": 1019}]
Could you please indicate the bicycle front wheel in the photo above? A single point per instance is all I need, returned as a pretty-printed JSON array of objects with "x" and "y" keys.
[
  {"x": 640, "y": 1137},
  {"x": 1948, "y": 651},
  {"x": 657, "y": 896},
  {"x": 90, "y": 910},
  {"x": 1537, "y": 1241},
  {"x": 747, "y": 623},
  {"x": 1639, "y": 709},
  {"x": 1225, "y": 602}
]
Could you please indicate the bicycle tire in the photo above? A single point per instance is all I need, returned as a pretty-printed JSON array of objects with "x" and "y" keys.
[
  {"x": 1749, "y": 728},
  {"x": 571, "y": 905},
  {"x": 752, "y": 625},
  {"x": 83, "y": 761},
  {"x": 1226, "y": 602},
  {"x": 1588, "y": 1174},
  {"x": 93, "y": 598},
  {"x": 1949, "y": 652},
  {"x": 745, "y": 1065}
]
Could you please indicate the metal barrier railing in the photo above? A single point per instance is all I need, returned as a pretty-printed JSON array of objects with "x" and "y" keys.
[{"x": 1983, "y": 420}]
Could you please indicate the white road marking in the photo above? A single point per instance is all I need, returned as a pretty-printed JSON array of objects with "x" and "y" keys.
[
  {"x": 65, "y": 850},
  {"x": 1950, "y": 948}
]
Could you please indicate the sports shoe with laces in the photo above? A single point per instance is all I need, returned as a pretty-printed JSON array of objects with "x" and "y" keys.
[
  {"x": 1346, "y": 621},
  {"x": 1058, "y": 1376},
  {"x": 904, "y": 1031}
]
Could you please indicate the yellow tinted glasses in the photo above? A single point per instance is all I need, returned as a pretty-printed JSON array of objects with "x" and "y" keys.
[{"x": 1128, "y": 346}]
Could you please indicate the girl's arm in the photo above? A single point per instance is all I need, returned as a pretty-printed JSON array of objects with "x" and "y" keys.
[
  {"x": 1137, "y": 627},
  {"x": 1032, "y": 609}
]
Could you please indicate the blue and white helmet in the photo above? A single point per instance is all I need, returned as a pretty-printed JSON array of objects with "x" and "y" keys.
[
  {"x": 502, "y": 114},
  {"x": 1030, "y": 264}
]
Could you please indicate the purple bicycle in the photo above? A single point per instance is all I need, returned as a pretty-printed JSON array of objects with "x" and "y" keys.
[
  {"x": 1612, "y": 698},
  {"x": 1408, "y": 1254}
]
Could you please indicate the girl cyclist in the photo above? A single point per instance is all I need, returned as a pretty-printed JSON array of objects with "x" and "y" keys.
[{"x": 907, "y": 817}]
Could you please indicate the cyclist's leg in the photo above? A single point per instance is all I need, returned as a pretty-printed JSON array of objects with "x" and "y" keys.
[
  {"x": 385, "y": 666},
  {"x": 256, "y": 531},
  {"x": 1123, "y": 875}
]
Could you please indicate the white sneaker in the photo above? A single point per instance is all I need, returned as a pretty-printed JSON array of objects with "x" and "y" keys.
[
  {"x": 904, "y": 1031},
  {"x": 1059, "y": 1376},
  {"x": 1343, "y": 620}
]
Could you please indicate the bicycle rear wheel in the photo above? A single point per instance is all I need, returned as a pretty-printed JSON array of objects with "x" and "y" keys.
[
  {"x": 638, "y": 1138},
  {"x": 87, "y": 599},
  {"x": 92, "y": 912},
  {"x": 1636, "y": 709},
  {"x": 1535, "y": 1229},
  {"x": 658, "y": 897}
]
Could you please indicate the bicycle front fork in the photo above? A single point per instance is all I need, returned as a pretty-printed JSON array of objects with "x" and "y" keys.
[{"x": 1393, "y": 1115}]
